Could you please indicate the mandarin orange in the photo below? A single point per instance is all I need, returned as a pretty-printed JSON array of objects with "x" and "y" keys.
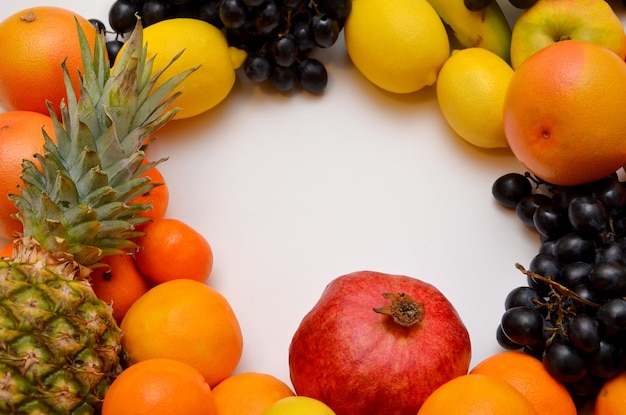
[
  {"x": 249, "y": 393},
  {"x": 611, "y": 399}
]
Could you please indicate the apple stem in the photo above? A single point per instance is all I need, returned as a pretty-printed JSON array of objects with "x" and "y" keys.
[{"x": 404, "y": 309}]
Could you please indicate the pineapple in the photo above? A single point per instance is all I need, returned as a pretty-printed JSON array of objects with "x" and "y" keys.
[{"x": 59, "y": 344}]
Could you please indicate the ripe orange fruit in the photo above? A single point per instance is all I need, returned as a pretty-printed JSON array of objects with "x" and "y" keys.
[
  {"x": 20, "y": 138},
  {"x": 120, "y": 284},
  {"x": 248, "y": 393},
  {"x": 159, "y": 196},
  {"x": 7, "y": 250},
  {"x": 611, "y": 399},
  {"x": 34, "y": 43},
  {"x": 172, "y": 250},
  {"x": 159, "y": 386},
  {"x": 529, "y": 376},
  {"x": 564, "y": 112},
  {"x": 476, "y": 394},
  {"x": 188, "y": 321}
]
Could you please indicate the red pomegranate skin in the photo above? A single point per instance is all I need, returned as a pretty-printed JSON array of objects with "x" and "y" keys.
[{"x": 360, "y": 362}]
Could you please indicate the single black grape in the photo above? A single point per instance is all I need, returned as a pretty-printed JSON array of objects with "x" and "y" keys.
[
  {"x": 551, "y": 221},
  {"x": 337, "y": 9},
  {"x": 575, "y": 273},
  {"x": 510, "y": 189},
  {"x": 209, "y": 12},
  {"x": 564, "y": 362},
  {"x": 609, "y": 278},
  {"x": 589, "y": 293},
  {"x": 611, "y": 193},
  {"x": 284, "y": 50},
  {"x": 547, "y": 266},
  {"x": 523, "y": 325},
  {"x": 283, "y": 78},
  {"x": 154, "y": 11},
  {"x": 122, "y": 17},
  {"x": 476, "y": 5},
  {"x": 573, "y": 247},
  {"x": 233, "y": 13},
  {"x": 113, "y": 48},
  {"x": 257, "y": 67},
  {"x": 301, "y": 30},
  {"x": 100, "y": 27},
  {"x": 528, "y": 205},
  {"x": 588, "y": 215},
  {"x": 612, "y": 317},
  {"x": 312, "y": 75},
  {"x": 504, "y": 341},
  {"x": 605, "y": 362},
  {"x": 612, "y": 252},
  {"x": 522, "y": 296},
  {"x": 584, "y": 333},
  {"x": 267, "y": 17},
  {"x": 325, "y": 31}
]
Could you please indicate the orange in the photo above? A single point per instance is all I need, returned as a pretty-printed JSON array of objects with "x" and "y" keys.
[
  {"x": 564, "y": 112},
  {"x": 188, "y": 321},
  {"x": 611, "y": 399},
  {"x": 119, "y": 283},
  {"x": 249, "y": 393},
  {"x": 159, "y": 386},
  {"x": 473, "y": 394},
  {"x": 172, "y": 250},
  {"x": 158, "y": 196},
  {"x": 529, "y": 376},
  {"x": 20, "y": 137},
  {"x": 34, "y": 43},
  {"x": 7, "y": 250}
]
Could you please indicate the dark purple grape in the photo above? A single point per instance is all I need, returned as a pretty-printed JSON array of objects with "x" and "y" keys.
[
  {"x": 527, "y": 206},
  {"x": 267, "y": 17},
  {"x": 510, "y": 189},
  {"x": 584, "y": 333},
  {"x": 589, "y": 293},
  {"x": 113, "y": 48},
  {"x": 122, "y": 17},
  {"x": 564, "y": 362},
  {"x": 154, "y": 11},
  {"x": 312, "y": 75},
  {"x": 476, "y": 5},
  {"x": 209, "y": 12},
  {"x": 611, "y": 193},
  {"x": 612, "y": 317},
  {"x": 588, "y": 215},
  {"x": 522, "y": 296},
  {"x": 547, "y": 266},
  {"x": 609, "y": 278},
  {"x": 605, "y": 362},
  {"x": 523, "y": 325},
  {"x": 504, "y": 341},
  {"x": 575, "y": 273},
  {"x": 284, "y": 50},
  {"x": 613, "y": 252},
  {"x": 100, "y": 27},
  {"x": 283, "y": 78},
  {"x": 233, "y": 13},
  {"x": 522, "y": 4},
  {"x": 301, "y": 31},
  {"x": 572, "y": 247},
  {"x": 325, "y": 31},
  {"x": 338, "y": 9},
  {"x": 551, "y": 221},
  {"x": 257, "y": 67}
]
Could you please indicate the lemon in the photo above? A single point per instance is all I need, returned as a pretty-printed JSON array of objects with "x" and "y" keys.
[
  {"x": 203, "y": 45},
  {"x": 471, "y": 88},
  {"x": 298, "y": 405},
  {"x": 399, "y": 45}
]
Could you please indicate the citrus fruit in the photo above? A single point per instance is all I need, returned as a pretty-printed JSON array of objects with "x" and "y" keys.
[
  {"x": 298, "y": 405},
  {"x": 7, "y": 250},
  {"x": 248, "y": 393},
  {"x": 159, "y": 386},
  {"x": 188, "y": 321},
  {"x": 476, "y": 394},
  {"x": 529, "y": 376},
  {"x": 611, "y": 399},
  {"x": 203, "y": 45},
  {"x": 171, "y": 249},
  {"x": 119, "y": 283},
  {"x": 34, "y": 44},
  {"x": 398, "y": 45},
  {"x": 471, "y": 88},
  {"x": 20, "y": 138},
  {"x": 563, "y": 113},
  {"x": 158, "y": 197}
]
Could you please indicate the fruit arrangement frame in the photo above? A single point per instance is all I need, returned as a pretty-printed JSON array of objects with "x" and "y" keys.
[{"x": 294, "y": 189}]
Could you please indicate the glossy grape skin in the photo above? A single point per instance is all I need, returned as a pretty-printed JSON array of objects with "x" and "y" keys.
[
  {"x": 550, "y": 221},
  {"x": 267, "y": 18},
  {"x": 98, "y": 24},
  {"x": 257, "y": 67},
  {"x": 584, "y": 333},
  {"x": 613, "y": 252},
  {"x": 154, "y": 11},
  {"x": 587, "y": 215},
  {"x": 337, "y": 9},
  {"x": 612, "y": 317},
  {"x": 609, "y": 278},
  {"x": 283, "y": 78},
  {"x": 209, "y": 12},
  {"x": 605, "y": 362},
  {"x": 521, "y": 296},
  {"x": 528, "y": 205},
  {"x": 301, "y": 31},
  {"x": 575, "y": 273},
  {"x": 122, "y": 17},
  {"x": 312, "y": 75},
  {"x": 571, "y": 247},
  {"x": 285, "y": 50},
  {"x": 325, "y": 31},
  {"x": 523, "y": 325},
  {"x": 611, "y": 193},
  {"x": 510, "y": 189},
  {"x": 233, "y": 13},
  {"x": 476, "y": 5},
  {"x": 113, "y": 47},
  {"x": 564, "y": 362},
  {"x": 504, "y": 341}
]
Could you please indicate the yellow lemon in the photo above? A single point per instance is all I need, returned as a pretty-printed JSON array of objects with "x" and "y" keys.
[
  {"x": 399, "y": 45},
  {"x": 202, "y": 44},
  {"x": 298, "y": 405},
  {"x": 471, "y": 88}
]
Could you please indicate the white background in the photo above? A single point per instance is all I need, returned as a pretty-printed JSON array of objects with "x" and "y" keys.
[{"x": 294, "y": 190}]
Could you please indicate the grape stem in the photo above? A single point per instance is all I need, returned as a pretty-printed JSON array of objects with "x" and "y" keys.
[{"x": 555, "y": 285}]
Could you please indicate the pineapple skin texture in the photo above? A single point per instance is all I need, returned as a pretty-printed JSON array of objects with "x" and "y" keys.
[{"x": 60, "y": 347}]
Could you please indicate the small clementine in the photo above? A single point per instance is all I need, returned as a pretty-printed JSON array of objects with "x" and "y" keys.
[
  {"x": 563, "y": 113},
  {"x": 159, "y": 386},
  {"x": 158, "y": 196},
  {"x": 34, "y": 43},
  {"x": 529, "y": 376},
  {"x": 611, "y": 399},
  {"x": 7, "y": 250},
  {"x": 188, "y": 321},
  {"x": 249, "y": 393}
]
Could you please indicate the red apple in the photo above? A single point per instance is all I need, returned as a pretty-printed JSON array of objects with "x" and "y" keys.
[{"x": 378, "y": 344}]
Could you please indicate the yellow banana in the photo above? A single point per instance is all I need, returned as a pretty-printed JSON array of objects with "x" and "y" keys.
[{"x": 487, "y": 28}]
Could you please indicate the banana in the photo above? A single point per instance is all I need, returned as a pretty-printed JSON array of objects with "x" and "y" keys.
[{"x": 487, "y": 28}]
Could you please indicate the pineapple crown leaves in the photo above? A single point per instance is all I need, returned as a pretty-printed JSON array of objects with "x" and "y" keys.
[{"x": 77, "y": 199}]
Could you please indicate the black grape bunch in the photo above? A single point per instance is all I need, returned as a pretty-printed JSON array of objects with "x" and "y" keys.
[
  {"x": 279, "y": 36},
  {"x": 571, "y": 313}
]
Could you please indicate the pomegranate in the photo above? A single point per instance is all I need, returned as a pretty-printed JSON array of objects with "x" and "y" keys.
[{"x": 378, "y": 344}]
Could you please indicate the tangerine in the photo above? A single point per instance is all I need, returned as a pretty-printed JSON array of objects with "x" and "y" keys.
[
  {"x": 529, "y": 376},
  {"x": 563, "y": 112},
  {"x": 249, "y": 393},
  {"x": 20, "y": 138},
  {"x": 171, "y": 249},
  {"x": 159, "y": 386},
  {"x": 188, "y": 321},
  {"x": 473, "y": 394},
  {"x": 119, "y": 283},
  {"x": 611, "y": 398},
  {"x": 7, "y": 250},
  {"x": 34, "y": 43},
  {"x": 158, "y": 196}
]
